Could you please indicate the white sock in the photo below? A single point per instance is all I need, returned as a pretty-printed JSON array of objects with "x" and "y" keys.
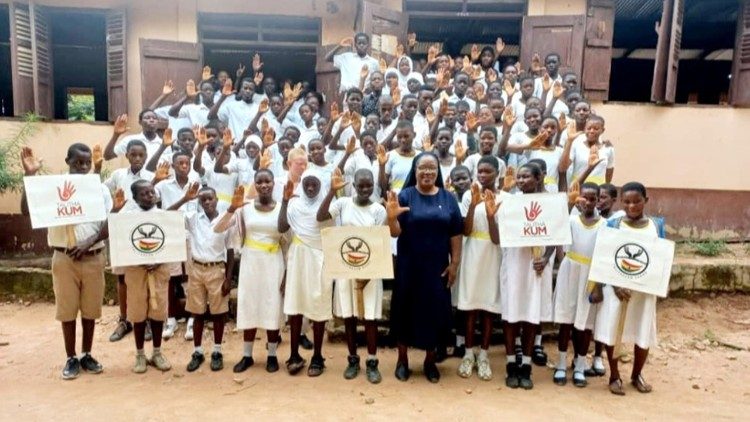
[
  {"x": 372, "y": 357},
  {"x": 190, "y": 322},
  {"x": 217, "y": 348},
  {"x": 157, "y": 350},
  {"x": 598, "y": 362},
  {"x": 469, "y": 353},
  {"x": 84, "y": 354},
  {"x": 140, "y": 352},
  {"x": 272, "y": 348},
  {"x": 171, "y": 321},
  {"x": 526, "y": 360},
  {"x": 483, "y": 354},
  {"x": 562, "y": 360},
  {"x": 199, "y": 349},
  {"x": 580, "y": 364},
  {"x": 510, "y": 358},
  {"x": 518, "y": 341},
  {"x": 247, "y": 349},
  {"x": 460, "y": 341},
  {"x": 538, "y": 340}
]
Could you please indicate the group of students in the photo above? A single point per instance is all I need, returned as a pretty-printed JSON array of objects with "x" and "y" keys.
[{"x": 259, "y": 171}]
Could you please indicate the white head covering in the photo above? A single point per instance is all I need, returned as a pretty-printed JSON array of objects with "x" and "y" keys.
[
  {"x": 403, "y": 79},
  {"x": 302, "y": 213}
]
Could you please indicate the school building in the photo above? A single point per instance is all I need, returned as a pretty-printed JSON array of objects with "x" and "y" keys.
[{"x": 672, "y": 93}]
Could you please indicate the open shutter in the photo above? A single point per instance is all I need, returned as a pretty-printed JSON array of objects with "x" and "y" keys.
[
  {"x": 667, "y": 61},
  {"x": 167, "y": 60},
  {"x": 554, "y": 34},
  {"x": 597, "y": 55},
  {"x": 740, "y": 90},
  {"x": 41, "y": 46},
  {"x": 387, "y": 27},
  {"x": 117, "y": 92},
  {"x": 327, "y": 77},
  {"x": 22, "y": 61},
  {"x": 675, "y": 45}
]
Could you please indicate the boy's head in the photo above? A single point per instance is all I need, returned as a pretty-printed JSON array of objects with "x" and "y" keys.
[
  {"x": 315, "y": 100},
  {"x": 372, "y": 121},
  {"x": 533, "y": 118},
  {"x": 275, "y": 104},
  {"x": 207, "y": 200},
  {"x": 252, "y": 149},
  {"x": 526, "y": 84},
  {"x": 449, "y": 118},
  {"x": 361, "y": 43},
  {"x": 572, "y": 97},
  {"x": 376, "y": 81},
  {"x": 354, "y": 100},
  {"x": 269, "y": 86},
  {"x": 409, "y": 106},
  {"x": 510, "y": 73},
  {"x": 385, "y": 109},
  {"x": 364, "y": 184},
  {"x": 181, "y": 163},
  {"x": 570, "y": 81},
  {"x": 594, "y": 128},
  {"x": 462, "y": 109},
  {"x": 136, "y": 154},
  {"x": 148, "y": 120},
  {"x": 247, "y": 90},
  {"x": 207, "y": 92},
  {"x": 144, "y": 194},
  {"x": 78, "y": 158},
  {"x": 291, "y": 133},
  {"x": 306, "y": 113},
  {"x": 552, "y": 64},
  {"x": 460, "y": 179},
  {"x": 607, "y": 196},
  {"x": 444, "y": 139},
  {"x": 425, "y": 98},
  {"x": 461, "y": 84},
  {"x": 413, "y": 85},
  {"x": 404, "y": 134},
  {"x": 186, "y": 140},
  {"x": 369, "y": 142}
]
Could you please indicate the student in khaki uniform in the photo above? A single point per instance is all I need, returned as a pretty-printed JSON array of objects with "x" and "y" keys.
[{"x": 77, "y": 267}]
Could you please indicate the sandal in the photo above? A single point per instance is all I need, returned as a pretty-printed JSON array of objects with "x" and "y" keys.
[
  {"x": 317, "y": 364},
  {"x": 561, "y": 377},
  {"x": 579, "y": 379},
  {"x": 640, "y": 384},
  {"x": 295, "y": 364},
  {"x": 615, "y": 387}
]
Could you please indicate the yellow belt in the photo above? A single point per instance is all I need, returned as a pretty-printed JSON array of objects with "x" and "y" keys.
[
  {"x": 224, "y": 197},
  {"x": 549, "y": 180},
  {"x": 599, "y": 180},
  {"x": 261, "y": 246},
  {"x": 397, "y": 184},
  {"x": 297, "y": 240},
  {"x": 581, "y": 259},
  {"x": 480, "y": 235}
]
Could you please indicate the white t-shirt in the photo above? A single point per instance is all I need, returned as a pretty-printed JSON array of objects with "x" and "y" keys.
[
  {"x": 207, "y": 245},
  {"x": 350, "y": 64},
  {"x": 151, "y": 146},
  {"x": 355, "y": 215},
  {"x": 579, "y": 156},
  {"x": 170, "y": 192},
  {"x": 237, "y": 115},
  {"x": 174, "y": 123},
  {"x": 552, "y": 160},
  {"x": 357, "y": 161},
  {"x": 196, "y": 114},
  {"x": 122, "y": 178},
  {"x": 397, "y": 168}
]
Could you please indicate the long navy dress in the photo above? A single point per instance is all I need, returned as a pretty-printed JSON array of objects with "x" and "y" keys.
[{"x": 421, "y": 304}]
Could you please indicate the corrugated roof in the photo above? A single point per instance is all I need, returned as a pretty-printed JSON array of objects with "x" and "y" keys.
[{"x": 699, "y": 10}]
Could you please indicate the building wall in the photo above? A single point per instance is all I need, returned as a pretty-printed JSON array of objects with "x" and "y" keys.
[{"x": 556, "y": 7}]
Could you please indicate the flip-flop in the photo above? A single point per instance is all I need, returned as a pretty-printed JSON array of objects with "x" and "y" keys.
[
  {"x": 640, "y": 384},
  {"x": 615, "y": 387}
]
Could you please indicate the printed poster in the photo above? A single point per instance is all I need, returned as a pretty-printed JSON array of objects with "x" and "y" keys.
[
  {"x": 59, "y": 200},
  {"x": 357, "y": 252},
  {"x": 537, "y": 219},
  {"x": 147, "y": 238}
]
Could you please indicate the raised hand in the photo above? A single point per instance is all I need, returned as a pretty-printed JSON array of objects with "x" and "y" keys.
[
  {"x": 263, "y": 106},
  {"x": 381, "y": 154},
  {"x": 240, "y": 71},
  {"x": 509, "y": 88},
  {"x": 356, "y": 122},
  {"x": 509, "y": 117},
  {"x": 540, "y": 140},
  {"x": 400, "y": 50},
  {"x": 392, "y": 207},
  {"x": 479, "y": 92},
  {"x": 227, "y": 139},
  {"x": 30, "y": 163},
  {"x": 97, "y": 156},
  {"x": 347, "y": 42},
  {"x": 289, "y": 190},
  {"x": 467, "y": 65},
  {"x": 411, "y": 39},
  {"x": 206, "y": 74},
  {"x": 382, "y": 65},
  {"x": 167, "y": 139},
  {"x": 432, "y": 52},
  {"x": 426, "y": 143},
  {"x": 337, "y": 180},
  {"x": 396, "y": 95},
  {"x": 121, "y": 124},
  {"x": 364, "y": 72},
  {"x": 228, "y": 88},
  {"x": 238, "y": 199},
  {"x": 334, "y": 112},
  {"x": 536, "y": 63},
  {"x": 346, "y": 120},
  {"x": 258, "y": 78},
  {"x": 257, "y": 64},
  {"x": 168, "y": 87},
  {"x": 509, "y": 181},
  {"x": 594, "y": 159},
  {"x": 443, "y": 107},
  {"x": 162, "y": 172},
  {"x": 476, "y": 194},
  {"x": 563, "y": 122},
  {"x": 574, "y": 192},
  {"x": 190, "y": 90},
  {"x": 572, "y": 131},
  {"x": 429, "y": 115},
  {"x": 471, "y": 121},
  {"x": 296, "y": 90},
  {"x": 268, "y": 137},
  {"x": 474, "y": 52},
  {"x": 287, "y": 90},
  {"x": 265, "y": 160},
  {"x": 546, "y": 82},
  {"x": 491, "y": 75},
  {"x": 201, "y": 136},
  {"x": 460, "y": 151},
  {"x": 558, "y": 89},
  {"x": 351, "y": 145},
  {"x": 192, "y": 191},
  {"x": 119, "y": 200},
  {"x": 499, "y": 45},
  {"x": 490, "y": 206},
  {"x": 476, "y": 72}
]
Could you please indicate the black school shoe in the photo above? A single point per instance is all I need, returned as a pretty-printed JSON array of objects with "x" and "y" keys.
[
  {"x": 352, "y": 369},
  {"x": 90, "y": 365},
  {"x": 196, "y": 360},
  {"x": 431, "y": 373},
  {"x": 217, "y": 361},
  {"x": 305, "y": 342},
  {"x": 72, "y": 368},
  {"x": 538, "y": 356},
  {"x": 459, "y": 352},
  {"x": 272, "y": 364},
  {"x": 243, "y": 364},
  {"x": 511, "y": 375},
  {"x": 372, "y": 372},
  {"x": 524, "y": 377},
  {"x": 121, "y": 330},
  {"x": 317, "y": 365},
  {"x": 402, "y": 371}
]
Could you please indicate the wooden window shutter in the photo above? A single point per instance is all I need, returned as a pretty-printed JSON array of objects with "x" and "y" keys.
[
  {"x": 597, "y": 54},
  {"x": 387, "y": 27},
  {"x": 117, "y": 88},
  {"x": 668, "y": 47},
  {"x": 22, "y": 61},
  {"x": 41, "y": 46},
  {"x": 163, "y": 60},
  {"x": 740, "y": 89}
]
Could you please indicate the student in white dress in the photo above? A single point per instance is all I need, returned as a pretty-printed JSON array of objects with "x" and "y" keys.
[
  {"x": 576, "y": 154},
  {"x": 571, "y": 307},
  {"x": 213, "y": 141},
  {"x": 307, "y": 292},
  {"x": 259, "y": 292},
  {"x": 362, "y": 212},
  {"x": 394, "y": 171},
  {"x": 533, "y": 119},
  {"x": 364, "y": 158},
  {"x": 443, "y": 144},
  {"x": 640, "y": 308},
  {"x": 543, "y": 147},
  {"x": 526, "y": 291},
  {"x": 479, "y": 274}
]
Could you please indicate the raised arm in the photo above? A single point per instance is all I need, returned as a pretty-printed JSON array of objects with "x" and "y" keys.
[
  {"x": 226, "y": 91},
  {"x": 227, "y": 219},
  {"x": 283, "y": 224},
  {"x": 382, "y": 160},
  {"x": 223, "y": 159},
  {"x": 198, "y": 156},
  {"x": 491, "y": 208},
  {"x": 337, "y": 182},
  {"x": 476, "y": 199},
  {"x": 351, "y": 146},
  {"x": 393, "y": 210},
  {"x": 190, "y": 194},
  {"x": 120, "y": 127},
  {"x": 166, "y": 141},
  {"x": 190, "y": 93},
  {"x": 31, "y": 166},
  {"x": 166, "y": 91},
  {"x": 346, "y": 42}
]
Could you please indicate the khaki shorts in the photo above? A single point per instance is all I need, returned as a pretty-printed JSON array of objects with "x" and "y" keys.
[
  {"x": 139, "y": 305},
  {"x": 78, "y": 286},
  {"x": 204, "y": 289}
]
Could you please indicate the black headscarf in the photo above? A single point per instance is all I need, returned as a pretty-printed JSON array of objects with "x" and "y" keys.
[{"x": 411, "y": 179}]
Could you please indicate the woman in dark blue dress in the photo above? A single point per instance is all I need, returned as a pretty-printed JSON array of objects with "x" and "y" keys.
[{"x": 428, "y": 223}]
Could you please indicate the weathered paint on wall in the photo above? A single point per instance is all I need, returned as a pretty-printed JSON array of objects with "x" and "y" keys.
[{"x": 556, "y": 7}]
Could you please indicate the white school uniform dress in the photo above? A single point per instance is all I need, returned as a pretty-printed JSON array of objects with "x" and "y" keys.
[
  {"x": 579, "y": 156},
  {"x": 348, "y": 213},
  {"x": 479, "y": 276},
  {"x": 517, "y": 160},
  {"x": 237, "y": 115},
  {"x": 195, "y": 114},
  {"x": 350, "y": 64},
  {"x": 571, "y": 298},
  {"x": 357, "y": 161},
  {"x": 307, "y": 134},
  {"x": 397, "y": 168},
  {"x": 640, "y": 319},
  {"x": 552, "y": 160},
  {"x": 525, "y": 296},
  {"x": 151, "y": 145},
  {"x": 259, "y": 299}
]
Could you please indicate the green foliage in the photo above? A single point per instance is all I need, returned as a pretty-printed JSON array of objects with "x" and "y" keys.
[
  {"x": 710, "y": 247},
  {"x": 81, "y": 107},
  {"x": 11, "y": 171}
]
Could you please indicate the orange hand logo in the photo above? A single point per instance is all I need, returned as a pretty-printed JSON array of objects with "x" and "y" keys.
[
  {"x": 67, "y": 191},
  {"x": 533, "y": 213}
]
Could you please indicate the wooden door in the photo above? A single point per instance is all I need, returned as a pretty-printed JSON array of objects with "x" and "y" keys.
[
  {"x": 740, "y": 89},
  {"x": 554, "y": 34},
  {"x": 167, "y": 60},
  {"x": 327, "y": 78},
  {"x": 597, "y": 54},
  {"x": 387, "y": 27},
  {"x": 117, "y": 88},
  {"x": 22, "y": 61}
]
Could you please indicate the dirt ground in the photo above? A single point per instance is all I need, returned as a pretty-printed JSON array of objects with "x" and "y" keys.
[{"x": 694, "y": 377}]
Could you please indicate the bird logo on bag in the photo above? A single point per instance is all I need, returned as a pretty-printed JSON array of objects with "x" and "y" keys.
[
  {"x": 147, "y": 238},
  {"x": 355, "y": 251}
]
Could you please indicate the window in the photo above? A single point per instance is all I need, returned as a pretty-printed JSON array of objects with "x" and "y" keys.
[
  {"x": 6, "y": 79},
  {"x": 81, "y": 104}
]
